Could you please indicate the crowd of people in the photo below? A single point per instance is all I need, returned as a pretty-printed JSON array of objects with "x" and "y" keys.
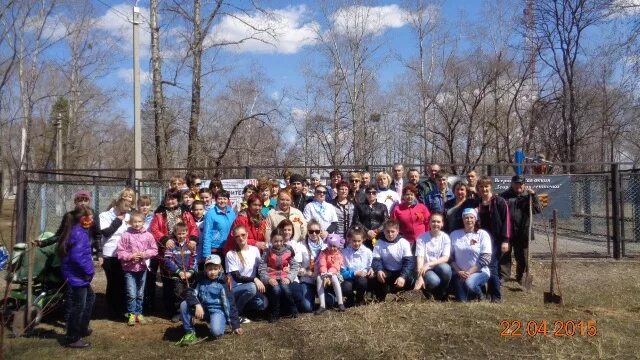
[{"x": 304, "y": 248}]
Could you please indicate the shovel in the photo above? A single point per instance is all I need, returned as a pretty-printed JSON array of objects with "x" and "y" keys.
[
  {"x": 551, "y": 297},
  {"x": 527, "y": 278}
]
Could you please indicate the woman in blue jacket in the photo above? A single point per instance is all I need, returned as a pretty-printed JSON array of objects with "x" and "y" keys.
[
  {"x": 216, "y": 228},
  {"x": 74, "y": 248}
]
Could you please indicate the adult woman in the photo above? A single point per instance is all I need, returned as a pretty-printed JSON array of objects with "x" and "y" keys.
[
  {"x": 217, "y": 226},
  {"x": 264, "y": 191},
  {"x": 113, "y": 223},
  {"x": 433, "y": 250},
  {"x": 386, "y": 196},
  {"x": 371, "y": 215},
  {"x": 241, "y": 264},
  {"x": 412, "y": 216},
  {"x": 357, "y": 194},
  {"x": 471, "y": 255},
  {"x": 344, "y": 209},
  {"x": 253, "y": 222},
  {"x": 453, "y": 208},
  {"x": 284, "y": 210},
  {"x": 322, "y": 211}
]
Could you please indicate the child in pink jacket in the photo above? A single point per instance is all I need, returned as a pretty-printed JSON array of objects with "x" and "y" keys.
[
  {"x": 136, "y": 246},
  {"x": 329, "y": 263}
]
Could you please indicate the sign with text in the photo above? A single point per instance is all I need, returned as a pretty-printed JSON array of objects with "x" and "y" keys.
[
  {"x": 234, "y": 187},
  {"x": 558, "y": 187}
]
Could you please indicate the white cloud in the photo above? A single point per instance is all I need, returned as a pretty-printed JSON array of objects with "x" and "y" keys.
[
  {"x": 368, "y": 19},
  {"x": 624, "y": 8},
  {"x": 117, "y": 22},
  {"x": 291, "y": 31},
  {"x": 127, "y": 76},
  {"x": 298, "y": 114}
]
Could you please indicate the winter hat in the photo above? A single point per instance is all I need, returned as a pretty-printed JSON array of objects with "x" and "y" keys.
[
  {"x": 82, "y": 194},
  {"x": 296, "y": 178},
  {"x": 469, "y": 211},
  {"x": 334, "y": 240}
]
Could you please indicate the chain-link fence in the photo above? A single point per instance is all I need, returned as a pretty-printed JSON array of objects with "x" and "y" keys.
[{"x": 586, "y": 231}]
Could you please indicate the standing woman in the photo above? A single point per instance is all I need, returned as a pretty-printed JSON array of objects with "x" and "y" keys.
[
  {"x": 344, "y": 209},
  {"x": 322, "y": 211},
  {"x": 253, "y": 223},
  {"x": 284, "y": 210},
  {"x": 470, "y": 258},
  {"x": 371, "y": 215},
  {"x": 216, "y": 228},
  {"x": 412, "y": 215},
  {"x": 453, "y": 207},
  {"x": 386, "y": 196},
  {"x": 74, "y": 248},
  {"x": 264, "y": 190}
]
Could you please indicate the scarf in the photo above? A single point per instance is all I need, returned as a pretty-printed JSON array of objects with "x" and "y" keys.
[{"x": 173, "y": 217}]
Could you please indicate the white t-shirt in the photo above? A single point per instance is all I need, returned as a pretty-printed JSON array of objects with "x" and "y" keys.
[
  {"x": 251, "y": 256},
  {"x": 467, "y": 248},
  {"x": 302, "y": 258},
  {"x": 110, "y": 244},
  {"x": 391, "y": 254},
  {"x": 433, "y": 248},
  {"x": 324, "y": 213},
  {"x": 389, "y": 198}
]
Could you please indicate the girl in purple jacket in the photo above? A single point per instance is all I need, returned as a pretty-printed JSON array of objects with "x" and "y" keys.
[
  {"x": 74, "y": 249},
  {"x": 135, "y": 248}
]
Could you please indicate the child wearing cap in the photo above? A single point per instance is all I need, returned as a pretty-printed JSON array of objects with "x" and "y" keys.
[
  {"x": 330, "y": 261},
  {"x": 470, "y": 258},
  {"x": 209, "y": 300}
]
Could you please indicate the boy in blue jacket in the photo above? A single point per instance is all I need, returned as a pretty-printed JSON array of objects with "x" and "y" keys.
[{"x": 210, "y": 300}]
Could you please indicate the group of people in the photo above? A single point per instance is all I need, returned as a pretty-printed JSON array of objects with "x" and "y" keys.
[{"x": 281, "y": 251}]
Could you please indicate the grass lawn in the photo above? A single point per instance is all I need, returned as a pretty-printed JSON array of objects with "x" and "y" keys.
[{"x": 605, "y": 292}]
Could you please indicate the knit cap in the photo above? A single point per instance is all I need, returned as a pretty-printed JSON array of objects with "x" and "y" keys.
[{"x": 334, "y": 240}]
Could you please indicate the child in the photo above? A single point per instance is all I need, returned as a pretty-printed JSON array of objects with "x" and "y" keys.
[
  {"x": 144, "y": 205},
  {"x": 278, "y": 269},
  {"x": 433, "y": 249},
  {"x": 197, "y": 209},
  {"x": 207, "y": 196},
  {"x": 330, "y": 262},
  {"x": 303, "y": 288},
  {"x": 188, "y": 198},
  {"x": 176, "y": 183},
  {"x": 136, "y": 246},
  {"x": 393, "y": 263},
  {"x": 180, "y": 265},
  {"x": 356, "y": 270},
  {"x": 209, "y": 299},
  {"x": 74, "y": 249}
]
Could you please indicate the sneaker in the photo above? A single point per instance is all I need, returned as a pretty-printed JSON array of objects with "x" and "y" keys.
[
  {"x": 320, "y": 311},
  {"x": 132, "y": 320},
  {"x": 244, "y": 320},
  {"x": 141, "y": 320},
  {"x": 341, "y": 307},
  {"x": 78, "y": 344},
  {"x": 189, "y": 338},
  {"x": 175, "y": 318}
]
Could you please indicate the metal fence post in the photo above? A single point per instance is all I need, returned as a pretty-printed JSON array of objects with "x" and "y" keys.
[
  {"x": 634, "y": 189},
  {"x": 96, "y": 196},
  {"x": 490, "y": 170},
  {"x": 248, "y": 172},
  {"x": 615, "y": 206},
  {"x": 586, "y": 195},
  {"x": 21, "y": 209},
  {"x": 132, "y": 178}
]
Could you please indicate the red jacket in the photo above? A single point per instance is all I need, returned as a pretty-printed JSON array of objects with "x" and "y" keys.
[
  {"x": 414, "y": 220},
  {"x": 255, "y": 234},
  {"x": 159, "y": 230}
]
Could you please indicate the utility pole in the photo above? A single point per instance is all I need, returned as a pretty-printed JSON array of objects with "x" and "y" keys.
[
  {"x": 58, "y": 126},
  {"x": 137, "y": 126}
]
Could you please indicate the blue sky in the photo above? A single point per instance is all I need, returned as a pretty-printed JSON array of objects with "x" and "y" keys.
[{"x": 281, "y": 63}]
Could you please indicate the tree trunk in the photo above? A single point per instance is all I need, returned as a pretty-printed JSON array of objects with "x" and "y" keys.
[
  {"x": 195, "y": 87},
  {"x": 158, "y": 97}
]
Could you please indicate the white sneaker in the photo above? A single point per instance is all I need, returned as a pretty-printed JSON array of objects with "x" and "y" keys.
[{"x": 244, "y": 320}]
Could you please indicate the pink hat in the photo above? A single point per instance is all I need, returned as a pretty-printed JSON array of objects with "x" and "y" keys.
[
  {"x": 334, "y": 240},
  {"x": 82, "y": 194}
]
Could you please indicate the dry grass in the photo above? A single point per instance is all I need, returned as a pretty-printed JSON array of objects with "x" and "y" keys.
[{"x": 414, "y": 329}]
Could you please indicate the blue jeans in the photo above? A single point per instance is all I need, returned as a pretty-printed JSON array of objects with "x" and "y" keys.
[
  {"x": 81, "y": 300},
  {"x": 135, "y": 291},
  {"x": 494, "y": 269},
  {"x": 437, "y": 279},
  {"x": 216, "y": 318},
  {"x": 275, "y": 293},
  {"x": 469, "y": 288},
  {"x": 304, "y": 295},
  {"x": 247, "y": 297}
]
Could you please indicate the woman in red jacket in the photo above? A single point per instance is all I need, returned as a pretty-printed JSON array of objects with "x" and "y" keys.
[
  {"x": 252, "y": 219},
  {"x": 412, "y": 215}
]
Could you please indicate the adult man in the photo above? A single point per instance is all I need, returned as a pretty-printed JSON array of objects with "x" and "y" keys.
[
  {"x": 472, "y": 182},
  {"x": 299, "y": 197},
  {"x": 518, "y": 197},
  {"x": 366, "y": 179},
  {"x": 397, "y": 183},
  {"x": 493, "y": 212},
  {"x": 436, "y": 198},
  {"x": 413, "y": 178},
  {"x": 332, "y": 189},
  {"x": 429, "y": 184}
]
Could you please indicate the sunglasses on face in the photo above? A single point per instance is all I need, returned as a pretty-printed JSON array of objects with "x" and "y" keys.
[
  {"x": 355, "y": 181},
  {"x": 321, "y": 192},
  {"x": 314, "y": 231}
]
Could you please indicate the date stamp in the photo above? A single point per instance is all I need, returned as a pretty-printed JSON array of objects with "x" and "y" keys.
[{"x": 555, "y": 328}]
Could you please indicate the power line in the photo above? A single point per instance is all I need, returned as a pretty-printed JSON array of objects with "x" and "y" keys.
[{"x": 123, "y": 15}]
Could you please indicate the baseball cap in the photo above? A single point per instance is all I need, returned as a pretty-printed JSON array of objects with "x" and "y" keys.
[
  {"x": 213, "y": 259},
  {"x": 518, "y": 179}
]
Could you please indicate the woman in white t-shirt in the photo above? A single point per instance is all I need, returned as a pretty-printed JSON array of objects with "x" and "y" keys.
[
  {"x": 433, "y": 249},
  {"x": 242, "y": 266},
  {"x": 471, "y": 254}
]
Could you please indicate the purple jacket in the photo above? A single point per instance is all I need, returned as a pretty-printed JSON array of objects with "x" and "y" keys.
[
  {"x": 134, "y": 241},
  {"x": 77, "y": 265}
]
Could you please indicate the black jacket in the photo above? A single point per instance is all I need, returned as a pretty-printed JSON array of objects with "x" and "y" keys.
[
  {"x": 499, "y": 226},
  {"x": 519, "y": 212},
  {"x": 453, "y": 215},
  {"x": 371, "y": 217},
  {"x": 299, "y": 201}
]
